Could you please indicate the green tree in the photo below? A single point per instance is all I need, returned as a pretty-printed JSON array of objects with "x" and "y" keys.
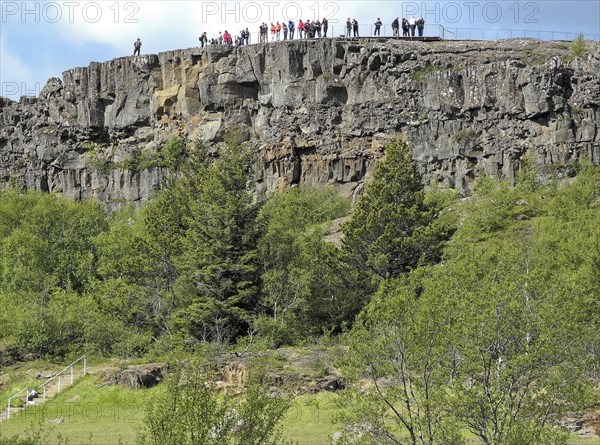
[
  {"x": 501, "y": 338},
  {"x": 521, "y": 356},
  {"x": 399, "y": 344},
  {"x": 47, "y": 265},
  {"x": 393, "y": 229},
  {"x": 49, "y": 245},
  {"x": 188, "y": 411},
  {"x": 202, "y": 230},
  {"x": 294, "y": 257},
  {"x": 135, "y": 273}
]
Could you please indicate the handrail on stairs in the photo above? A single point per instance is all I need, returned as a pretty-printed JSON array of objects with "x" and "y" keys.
[
  {"x": 17, "y": 395},
  {"x": 59, "y": 374},
  {"x": 43, "y": 385}
]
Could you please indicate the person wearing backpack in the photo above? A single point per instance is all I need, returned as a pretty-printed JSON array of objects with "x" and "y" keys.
[
  {"x": 318, "y": 28},
  {"x": 137, "y": 47},
  {"x": 292, "y": 28},
  {"x": 325, "y": 25},
  {"x": 309, "y": 30},
  {"x": 203, "y": 40}
]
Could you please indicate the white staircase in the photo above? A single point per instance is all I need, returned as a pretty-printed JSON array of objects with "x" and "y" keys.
[{"x": 47, "y": 390}]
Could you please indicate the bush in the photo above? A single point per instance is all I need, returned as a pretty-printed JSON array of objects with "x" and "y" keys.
[
  {"x": 578, "y": 48},
  {"x": 274, "y": 333},
  {"x": 188, "y": 411}
]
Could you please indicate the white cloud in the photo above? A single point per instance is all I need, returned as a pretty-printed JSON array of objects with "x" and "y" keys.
[
  {"x": 16, "y": 79},
  {"x": 165, "y": 25}
]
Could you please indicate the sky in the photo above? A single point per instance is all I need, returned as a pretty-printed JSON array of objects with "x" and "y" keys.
[{"x": 42, "y": 39}]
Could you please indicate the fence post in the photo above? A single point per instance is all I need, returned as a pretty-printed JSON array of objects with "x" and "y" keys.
[
  {"x": 71, "y": 374},
  {"x": 58, "y": 386},
  {"x": 84, "y": 365},
  {"x": 8, "y": 410},
  {"x": 44, "y": 392}
]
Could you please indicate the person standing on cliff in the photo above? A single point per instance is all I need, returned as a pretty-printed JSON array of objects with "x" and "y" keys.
[
  {"x": 137, "y": 46},
  {"x": 378, "y": 24},
  {"x": 348, "y": 27},
  {"x": 292, "y": 28},
  {"x": 203, "y": 40},
  {"x": 325, "y": 25},
  {"x": 412, "y": 23},
  {"x": 405, "y": 28},
  {"x": 318, "y": 28},
  {"x": 285, "y": 30},
  {"x": 420, "y": 26},
  {"x": 395, "y": 26},
  {"x": 227, "y": 39},
  {"x": 355, "y": 27}
]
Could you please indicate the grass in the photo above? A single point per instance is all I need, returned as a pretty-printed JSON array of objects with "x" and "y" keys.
[
  {"x": 91, "y": 415},
  {"x": 422, "y": 73},
  {"x": 311, "y": 419},
  {"x": 113, "y": 415}
]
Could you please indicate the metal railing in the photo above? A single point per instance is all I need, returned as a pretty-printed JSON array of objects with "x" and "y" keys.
[
  {"x": 58, "y": 376},
  {"x": 430, "y": 30},
  {"x": 340, "y": 30},
  {"x": 497, "y": 34},
  {"x": 44, "y": 386},
  {"x": 8, "y": 410}
]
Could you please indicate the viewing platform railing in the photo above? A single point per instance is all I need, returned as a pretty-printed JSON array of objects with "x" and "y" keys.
[{"x": 435, "y": 30}]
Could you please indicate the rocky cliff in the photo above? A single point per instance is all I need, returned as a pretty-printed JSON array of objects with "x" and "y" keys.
[{"x": 318, "y": 112}]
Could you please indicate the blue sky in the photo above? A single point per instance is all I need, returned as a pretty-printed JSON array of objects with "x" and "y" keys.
[{"x": 41, "y": 39}]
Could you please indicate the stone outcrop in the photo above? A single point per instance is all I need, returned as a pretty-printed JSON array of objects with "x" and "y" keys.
[
  {"x": 317, "y": 112},
  {"x": 136, "y": 377}
]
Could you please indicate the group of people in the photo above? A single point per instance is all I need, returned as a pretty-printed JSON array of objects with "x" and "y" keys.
[
  {"x": 226, "y": 38},
  {"x": 408, "y": 26},
  {"x": 352, "y": 27},
  {"x": 306, "y": 29}
]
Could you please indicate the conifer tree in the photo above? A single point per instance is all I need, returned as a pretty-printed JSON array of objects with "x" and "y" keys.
[{"x": 393, "y": 229}]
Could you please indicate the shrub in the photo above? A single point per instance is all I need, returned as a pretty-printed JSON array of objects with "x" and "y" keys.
[{"x": 578, "y": 48}]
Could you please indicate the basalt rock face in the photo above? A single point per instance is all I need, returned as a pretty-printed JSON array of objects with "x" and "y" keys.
[{"x": 317, "y": 112}]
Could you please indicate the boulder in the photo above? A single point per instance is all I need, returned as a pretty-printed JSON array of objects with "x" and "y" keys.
[{"x": 136, "y": 377}]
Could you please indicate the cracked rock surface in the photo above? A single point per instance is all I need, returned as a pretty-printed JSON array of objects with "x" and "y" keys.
[{"x": 317, "y": 111}]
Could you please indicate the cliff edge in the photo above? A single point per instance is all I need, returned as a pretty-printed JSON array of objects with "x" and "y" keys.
[{"x": 318, "y": 111}]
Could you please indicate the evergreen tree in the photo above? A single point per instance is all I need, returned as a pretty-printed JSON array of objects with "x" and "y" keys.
[
  {"x": 206, "y": 222},
  {"x": 393, "y": 229}
]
